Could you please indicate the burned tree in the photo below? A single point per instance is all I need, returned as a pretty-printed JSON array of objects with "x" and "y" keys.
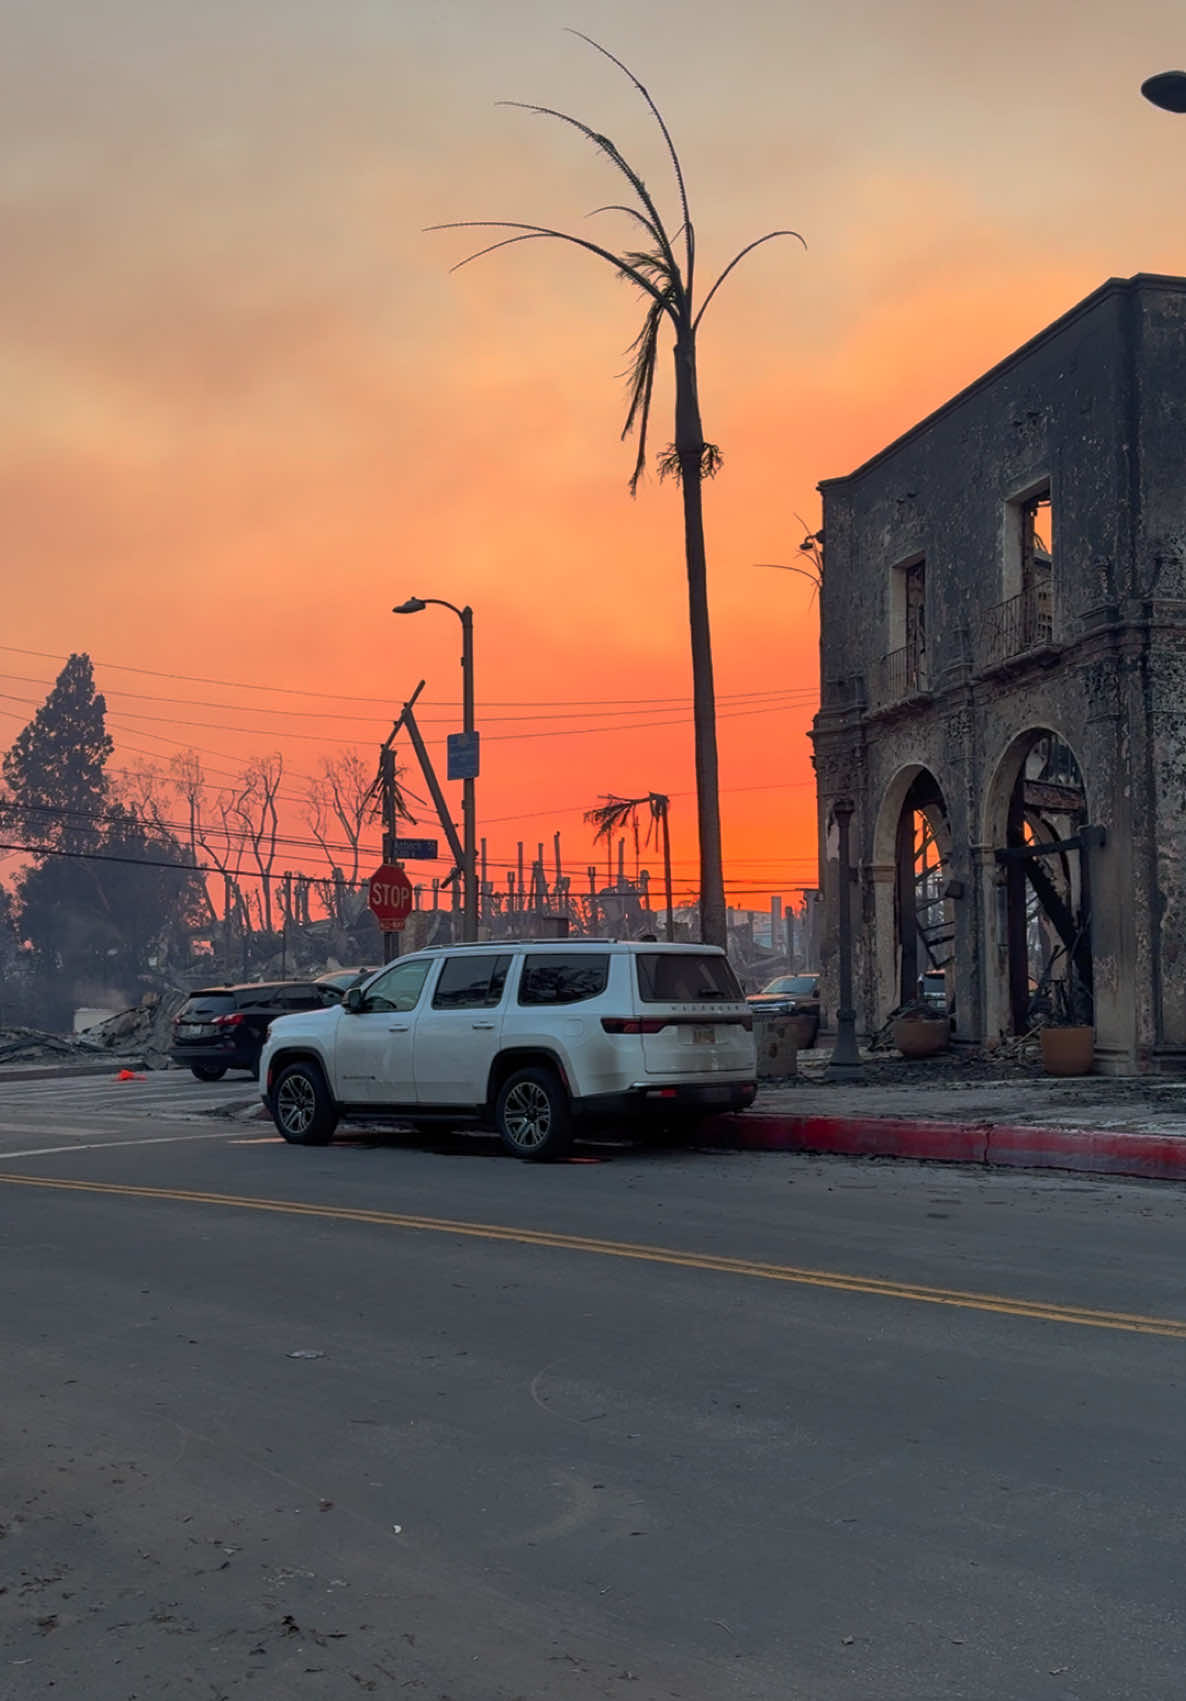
[
  {"x": 614, "y": 813},
  {"x": 666, "y": 282}
]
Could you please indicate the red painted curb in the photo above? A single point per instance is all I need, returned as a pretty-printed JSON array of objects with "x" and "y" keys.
[{"x": 1096, "y": 1151}]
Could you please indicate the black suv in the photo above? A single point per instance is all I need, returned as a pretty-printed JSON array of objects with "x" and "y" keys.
[{"x": 224, "y": 1027}]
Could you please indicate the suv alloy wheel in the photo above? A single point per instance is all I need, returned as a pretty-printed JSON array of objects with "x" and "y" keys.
[
  {"x": 302, "y": 1108},
  {"x": 532, "y": 1115}
]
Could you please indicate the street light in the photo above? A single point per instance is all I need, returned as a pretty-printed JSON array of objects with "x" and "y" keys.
[
  {"x": 1166, "y": 90},
  {"x": 416, "y": 605}
]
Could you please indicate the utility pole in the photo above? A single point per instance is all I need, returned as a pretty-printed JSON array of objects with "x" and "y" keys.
[
  {"x": 468, "y": 859},
  {"x": 468, "y": 805},
  {"x": 387, "y": 804}
]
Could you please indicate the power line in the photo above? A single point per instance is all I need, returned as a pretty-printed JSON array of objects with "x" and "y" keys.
[
  {"x": 736, "y": 697},
  {"x": 342, "y": 696},
  {"x": 330, "y": 738}
]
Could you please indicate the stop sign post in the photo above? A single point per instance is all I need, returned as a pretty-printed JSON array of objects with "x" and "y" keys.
[{"x": 390, "y": 897}]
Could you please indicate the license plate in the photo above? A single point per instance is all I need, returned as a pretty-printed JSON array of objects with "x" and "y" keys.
[
  {"x": 704, "y": 1036},
  {"x": 193, "y": 1030}
]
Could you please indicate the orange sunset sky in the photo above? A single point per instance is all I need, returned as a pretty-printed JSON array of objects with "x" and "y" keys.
[{"x": 246, "y": 407}]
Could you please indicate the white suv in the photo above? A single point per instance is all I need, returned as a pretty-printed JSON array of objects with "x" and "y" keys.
[{"x": 532, "y": 1038}]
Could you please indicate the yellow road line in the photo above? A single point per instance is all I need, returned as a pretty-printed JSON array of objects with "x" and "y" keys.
[{"x": 876, "y": 1286}]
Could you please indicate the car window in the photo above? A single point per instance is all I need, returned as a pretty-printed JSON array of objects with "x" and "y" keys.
[
  {"x": 471, "y": 982},
  {"x": 259, "y": 998},
  {"x": 204, "y": 1006},
  {"x": 792, "y": 986},
  {"x": 400, "y": 988},
  {"x": 301, "y": 998},
  {"x": 563, "y": 977},
  {"x": 684, "y": 977}
]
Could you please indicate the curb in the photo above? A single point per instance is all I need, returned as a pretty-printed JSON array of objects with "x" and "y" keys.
[
  {"x": 72, "y": 1071},
  {"x": 1092, "y": 1151}
]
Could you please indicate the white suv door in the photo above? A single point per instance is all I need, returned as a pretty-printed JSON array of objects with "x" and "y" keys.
[
  {"x": 373, "y": 1061},
  {"x": 459, "y": 1030}
]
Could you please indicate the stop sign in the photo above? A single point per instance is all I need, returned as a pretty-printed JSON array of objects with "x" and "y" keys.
[{"x": 390, "y": 897}]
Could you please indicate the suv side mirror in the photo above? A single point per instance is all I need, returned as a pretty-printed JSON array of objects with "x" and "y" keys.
[{"x": 353, "y": 1000}]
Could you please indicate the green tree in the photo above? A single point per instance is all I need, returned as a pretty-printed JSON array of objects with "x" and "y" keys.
[
  {"x": 55, "y": 771},
  {"x": 662, "y": 268},
  {"x": 98, "y": 911}
]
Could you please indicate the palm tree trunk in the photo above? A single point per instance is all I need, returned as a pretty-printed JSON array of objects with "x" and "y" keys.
[{"x": 689, "y": 448}]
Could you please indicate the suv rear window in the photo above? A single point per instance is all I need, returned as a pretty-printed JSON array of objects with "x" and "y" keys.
[
  {"x": 204, "y": 1006},
  {"x": 563, "y": 977},
  {"x": 684, "y": 977},
  {"x": 263, "y": 998}
]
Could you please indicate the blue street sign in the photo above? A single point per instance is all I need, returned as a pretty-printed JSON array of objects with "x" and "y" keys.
[
  {"x": 415, "y": 850},
  {"x": 463, "y": 756}
]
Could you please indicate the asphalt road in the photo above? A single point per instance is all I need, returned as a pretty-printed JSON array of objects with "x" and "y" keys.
[{"x": 665, "y": 1425}]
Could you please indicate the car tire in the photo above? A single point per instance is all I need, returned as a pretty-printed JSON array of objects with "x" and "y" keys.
[
  {"x": 302, "y": 1106},
  {"x": 207, "y": 1071},
  {"x": 533, "y": 1116}
]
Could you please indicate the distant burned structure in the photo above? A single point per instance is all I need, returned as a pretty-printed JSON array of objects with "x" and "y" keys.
[{"x": 1003, "y": 681}]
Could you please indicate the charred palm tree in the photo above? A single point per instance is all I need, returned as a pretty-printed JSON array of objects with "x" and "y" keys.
[
  {"x": 666, "y": 280},
  {"x": 614, "y": 813}
]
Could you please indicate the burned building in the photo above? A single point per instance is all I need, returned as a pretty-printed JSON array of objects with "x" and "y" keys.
[{"x": 1003, "y": 691}]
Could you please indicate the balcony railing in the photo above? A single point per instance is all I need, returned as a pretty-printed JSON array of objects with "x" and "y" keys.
[
  {"x": 1018, "y": 624},
  {"x": 901, "y": 674}
]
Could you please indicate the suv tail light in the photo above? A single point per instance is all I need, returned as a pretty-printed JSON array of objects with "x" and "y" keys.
[
  {"x": 229, "y": 1021},
  {"x": 633, "y": 1024}
]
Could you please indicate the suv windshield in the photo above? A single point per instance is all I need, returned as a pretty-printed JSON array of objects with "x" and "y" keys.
[
  {"x": 792, "y": 986},
  {"x": 684, "y": 977}
]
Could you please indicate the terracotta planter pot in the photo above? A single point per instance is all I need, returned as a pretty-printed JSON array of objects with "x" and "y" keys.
[
  {"x": 921, "y": 1036},
  {"x": 1068, "y": 1051}
]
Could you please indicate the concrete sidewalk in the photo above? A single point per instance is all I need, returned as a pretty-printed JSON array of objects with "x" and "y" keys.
[{"x": 967, "y": 1111}]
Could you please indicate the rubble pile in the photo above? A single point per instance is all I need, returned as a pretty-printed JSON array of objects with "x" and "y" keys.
[
  {"x": 139, "y": 1037},
  {"x": 32, "y": 1045},
  {"x": 145, "y": 1030}
]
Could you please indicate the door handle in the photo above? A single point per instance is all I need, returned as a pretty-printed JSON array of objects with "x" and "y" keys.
[
  {"x": 483, "y": 1024},
  {"x": 399, "y": 1028}
]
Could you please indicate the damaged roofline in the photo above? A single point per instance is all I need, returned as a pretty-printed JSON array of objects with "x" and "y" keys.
[{"x": 1113, "y": 286}]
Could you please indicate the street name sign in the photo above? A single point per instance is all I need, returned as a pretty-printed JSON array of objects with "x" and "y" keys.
[
  {"x": 416, "y": 850},
  {"x": 463, "y": 755}
]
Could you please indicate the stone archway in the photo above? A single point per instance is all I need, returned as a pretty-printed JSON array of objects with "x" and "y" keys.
[
  {"x": 1035, "y": 819},
  {"x": 915, "y": 918}
]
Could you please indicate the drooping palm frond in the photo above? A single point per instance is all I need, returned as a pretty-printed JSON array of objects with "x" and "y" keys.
[
  {"x": 612, "y": 814},
  {"x": 530, "y": 231},
  {"x": 686, "y": 227},
  {"x": 736, "y": 261},
  {"x": 645, "y": 351},
  {"x": 613, "y": 153}
]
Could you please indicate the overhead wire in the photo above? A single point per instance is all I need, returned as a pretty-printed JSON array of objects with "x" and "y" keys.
[{"x": 342, "y": 696}]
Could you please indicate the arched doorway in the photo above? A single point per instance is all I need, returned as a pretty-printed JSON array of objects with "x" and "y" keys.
[
  {"x": 1037, "y": 820},
  {"x": 914, "y": 840}
]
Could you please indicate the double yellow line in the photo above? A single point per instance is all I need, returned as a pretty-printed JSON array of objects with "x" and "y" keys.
[{"x": 1036, "y": 1310}]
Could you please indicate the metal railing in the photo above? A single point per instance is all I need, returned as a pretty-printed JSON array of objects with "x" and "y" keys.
[
  {"x": 1018, "y": 624},
  {"x": 901, "y": 674}
]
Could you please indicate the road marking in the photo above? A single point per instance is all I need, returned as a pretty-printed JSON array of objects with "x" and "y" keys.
[
  {"x": 876, "y": 1286},
  {"x": 103, "y": 1145}
]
